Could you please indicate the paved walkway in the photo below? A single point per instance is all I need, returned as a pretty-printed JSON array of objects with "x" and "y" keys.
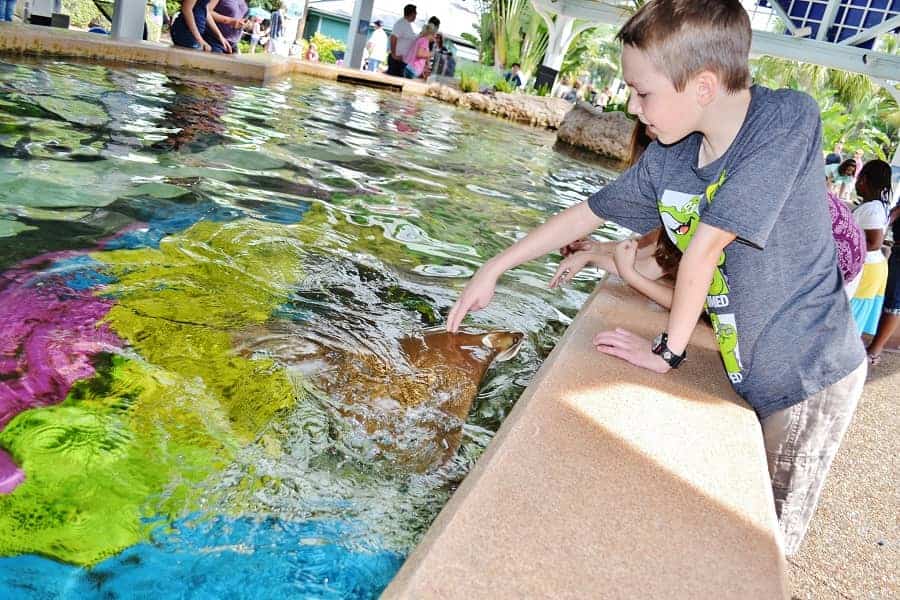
[{"x": 853, "y": 546}]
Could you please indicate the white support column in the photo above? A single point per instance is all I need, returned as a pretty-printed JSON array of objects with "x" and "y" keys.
[
  {"x": 560, "y": 36},
  {"x": 359, "y": 33},
  {"x": 128, "y": 20}
]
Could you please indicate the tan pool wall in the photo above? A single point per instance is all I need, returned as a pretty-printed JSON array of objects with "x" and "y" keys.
[{"x": 608, "y": 481}]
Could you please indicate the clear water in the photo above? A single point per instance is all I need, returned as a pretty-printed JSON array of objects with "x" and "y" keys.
[{"x": 167, "y": 244}]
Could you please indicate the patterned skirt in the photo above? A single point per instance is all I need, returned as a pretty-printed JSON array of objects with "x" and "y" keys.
[{"x": 869, "y": 298}]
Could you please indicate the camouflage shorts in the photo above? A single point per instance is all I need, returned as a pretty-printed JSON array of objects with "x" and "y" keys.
[{"x": 801, "y": 442}]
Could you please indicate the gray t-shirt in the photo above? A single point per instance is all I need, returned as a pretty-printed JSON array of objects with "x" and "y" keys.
[{"x": 776, "y": 302}]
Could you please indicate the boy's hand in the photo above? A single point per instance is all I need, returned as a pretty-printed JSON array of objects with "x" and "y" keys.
[
  {"x": 568, "y": 268},
  {"x": 624, "y": 257},
  {"x": 476, "y": 295},
  {"x": 633, "y": 348}
]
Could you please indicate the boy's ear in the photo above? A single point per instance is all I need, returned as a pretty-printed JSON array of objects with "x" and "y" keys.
[{"x": 706, "y": 84}]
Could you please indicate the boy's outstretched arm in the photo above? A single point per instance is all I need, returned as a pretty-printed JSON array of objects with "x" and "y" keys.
[
  {"x": 691, "y": 286},
  {"x": 571, "y": 224}
]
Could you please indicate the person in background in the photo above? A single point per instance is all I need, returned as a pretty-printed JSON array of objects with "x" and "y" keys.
[
  {"x": 858, "y": 158},
  {"x": 512, "y": 76},
  {"x": 229, "y": 17},
  {"x": 276, "y": 29},
  {"x": 312, "y": 53},
  {"x": 158, "y": 18},
  {"x": 874, "y": 187},
  {"x": 377, "y": 47},
  {"x": 837, "y": 156},
  {"x": 256, "y": 33},
  {"x": 840, "y": 178},
  {"x": 890, "y": 311},
  {"x": 96, "y": 26},
  {"x": 402, "y": 38},
  {"x": 7, "y": 9},
  {"x": 189, "y": 28},
  {"x": 437, "y": 27},
  {"x": 416, "y": 58},
  {"x": 574, "y": 94},
  {"x": 441, "y": 56},
  {"x": 603, "y": 98}
]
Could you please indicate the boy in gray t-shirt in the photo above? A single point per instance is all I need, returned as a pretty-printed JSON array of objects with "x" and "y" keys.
[{"x": 736, "y": 182}]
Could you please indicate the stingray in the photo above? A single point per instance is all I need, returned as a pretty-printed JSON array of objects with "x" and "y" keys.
[{"x": 407, "y": 406}]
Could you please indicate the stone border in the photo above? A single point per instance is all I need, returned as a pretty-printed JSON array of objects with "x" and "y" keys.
[
  {"x": 18, "y": 38},
  {"x": 607, "y": 481}
]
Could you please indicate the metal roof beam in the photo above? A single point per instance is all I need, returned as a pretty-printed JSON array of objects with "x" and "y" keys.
[
  {"x": 777, "y": 9},
  {"x": 846, "y": 58},
  {"x": 828, "y": 19},
  {"x": 598, "y": 12},
  {"x": 871, "y": 32}
]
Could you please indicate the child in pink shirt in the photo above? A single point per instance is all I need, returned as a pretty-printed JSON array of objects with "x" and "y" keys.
[{"x": 417, "y": 57}]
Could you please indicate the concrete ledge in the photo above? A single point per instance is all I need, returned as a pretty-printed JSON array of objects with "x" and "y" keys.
[
  {"x": 609, "y": 481},
  {"x": 262, "y": 68}
]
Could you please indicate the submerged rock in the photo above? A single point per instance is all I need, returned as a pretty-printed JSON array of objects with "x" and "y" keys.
[
  {"x": 539, "y": 111},
  {"x": 605, "y": 133}
]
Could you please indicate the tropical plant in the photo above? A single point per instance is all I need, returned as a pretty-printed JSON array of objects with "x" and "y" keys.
[
  {"x": 506, "y": 17},
  {"x": 468, "y": 84},
  {"x": 854, "y": 108},
  {"x": 504, "y": 86},
  {"x": 534, "y": 44},
  {"x": 326, "y": 47}
]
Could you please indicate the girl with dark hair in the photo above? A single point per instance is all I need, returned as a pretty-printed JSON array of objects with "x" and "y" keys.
[
  {"x": 840, "y": 178},
  {"x": 890, "y": 312},
  {"x": 648, "y": 264},
  {"x": 874, "y": 186}
]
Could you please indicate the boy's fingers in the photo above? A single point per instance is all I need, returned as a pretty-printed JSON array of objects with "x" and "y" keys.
[
  {"x": 451, "y": 318},
  {"x": 613, "y": 351}
]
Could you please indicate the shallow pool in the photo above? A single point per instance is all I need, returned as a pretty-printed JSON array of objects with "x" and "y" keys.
[{"x": 169, "y": 249}]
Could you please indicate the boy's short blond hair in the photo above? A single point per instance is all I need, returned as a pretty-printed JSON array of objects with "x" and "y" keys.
[{"x": 686, "y": 37}]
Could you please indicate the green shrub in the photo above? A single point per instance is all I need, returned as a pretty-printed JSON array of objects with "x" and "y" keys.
[
  {"x": 543, "y": 90},
  {"x": 504, "y": 86},
  {"x": 468, "y": 84},
  {"x": 482, "y": 74},
  {"x": 326, "y": 46}
]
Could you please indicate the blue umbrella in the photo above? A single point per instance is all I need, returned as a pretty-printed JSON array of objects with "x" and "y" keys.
[{"x": 258, "y": 11}]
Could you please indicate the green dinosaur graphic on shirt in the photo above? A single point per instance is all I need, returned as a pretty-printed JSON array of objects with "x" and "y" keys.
[
  {"x": 727, "y": 338},
  {"x": 682, "y": 225},
  {"x": 680, "y": 219}
]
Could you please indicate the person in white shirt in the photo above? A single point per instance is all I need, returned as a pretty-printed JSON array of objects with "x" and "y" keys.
[
  {"x": 377, "y": 47},
  {"x": 402, "y": 38}
]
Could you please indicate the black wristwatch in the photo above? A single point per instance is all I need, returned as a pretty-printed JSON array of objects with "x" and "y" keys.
[{"x": 661, "y": 348}]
